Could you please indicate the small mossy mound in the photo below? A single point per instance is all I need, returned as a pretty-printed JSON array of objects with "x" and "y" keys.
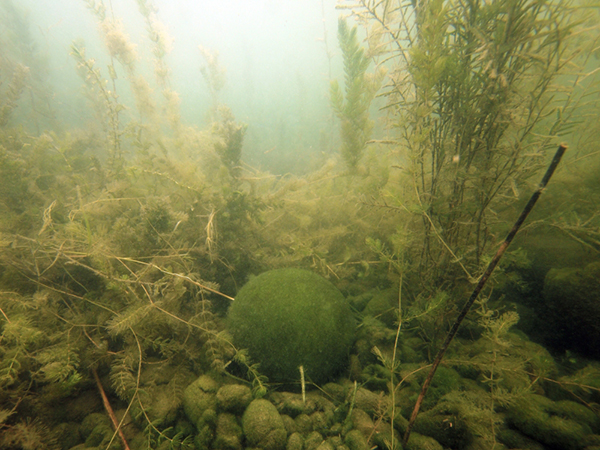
[{"x": 288, "y": 318}]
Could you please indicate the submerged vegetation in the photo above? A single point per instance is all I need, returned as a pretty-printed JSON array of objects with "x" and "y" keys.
[{"x": 123, "y": 243}]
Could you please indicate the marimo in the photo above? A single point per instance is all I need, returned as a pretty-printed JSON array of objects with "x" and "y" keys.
[{"x": 289, "y": 318}]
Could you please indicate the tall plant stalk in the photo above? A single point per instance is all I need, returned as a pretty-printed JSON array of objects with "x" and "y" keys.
[
  {"x": 482, "y": 281},
  {"x": 352, "y": 108}
]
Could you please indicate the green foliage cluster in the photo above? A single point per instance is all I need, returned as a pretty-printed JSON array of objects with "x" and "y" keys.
[
  {"x": 12, "y": 93},
  {"x": 229, "y": 147},
  {"x": 352, "y": 107},
  {"x": 477, "y": 93}
]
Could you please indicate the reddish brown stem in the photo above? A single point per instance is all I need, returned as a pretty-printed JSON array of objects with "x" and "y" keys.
[
  {"x": 109, "y": 410},
  {"x": 490, "y": 268}
]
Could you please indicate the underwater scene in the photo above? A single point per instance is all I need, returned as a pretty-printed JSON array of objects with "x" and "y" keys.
[{"x": 300, "y": 224}]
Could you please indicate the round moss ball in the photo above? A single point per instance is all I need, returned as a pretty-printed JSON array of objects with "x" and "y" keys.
[{"x": 288, "y": 318}]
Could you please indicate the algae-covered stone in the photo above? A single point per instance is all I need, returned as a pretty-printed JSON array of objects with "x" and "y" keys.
[
  {"x": 369, "y": 401},
  {"x": 577, "y": 412},
  {"x": 288, "y": 318},
  {"x": 292, "y": 404},
  {"x": 313, "y": 440},
  {"x": 199, "y": 397},
  {"x": 295, "y": 442},
  {"x": 419, "y": 442},
  {"x": 447, "y": 424},
  {"x": 537, "y": 417},
  {"x": 229, "y": 434},
  {"x": 234, "y": 398},
  {"x": 361, "y": 421},
  {"x": 515, "y": 439},
  {"x": 289, "y": 424},
  {"x": 303, "y": 423},
  {"x": 163, "y": 405},
  {"x": 319, "y": 422},
  {"x": 356, "y": 441},
  {"x": 325, "y": 445},
  {"x": 263, "y": 426},
  {"x": 335, "y": 440},
  {"x": 383, "y": 306}
]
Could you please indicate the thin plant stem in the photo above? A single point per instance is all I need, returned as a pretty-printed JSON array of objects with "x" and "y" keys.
[
  {"x": 482, "y": 281},
  {"x": 393, "y": 393},
  {"x": 109, "y": 409}
]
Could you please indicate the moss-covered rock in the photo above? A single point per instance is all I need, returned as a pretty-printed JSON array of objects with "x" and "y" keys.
[
  {"x": 370, "y": 401},
  {"x": 162, "y": 405},
  {"x": 450, "y": 430},
  {"x": 455, "y": 419},
  {"x": 444, "y": 381},
  {"x": 355, "y": 440},
  {"x": 335, "y": 441},
  {"x": 313, "y": 440},
  {"x": 295, "y": 442},
  {"x": 303, "y": 423},
  {"x": 292, "y": 404},
  {"x": 546, "y": 422},
  {"x": 515, "y": 439},
  {"x": 199, "y": 397},
  {"x": 577, "y": 412},
  {"x": 288, "y": 318},
  {"x": 419, "y": 442},
  {"x": 325, "y": 445},
  {"x": 383, "y": 306},
  {"x": 234, "y": 398},
  {"x": 228, "y": 435},
  {"x": 263, "y": 426},
  {"x": 288, "y": 424},
  {"x": 319, "y": 422},
  {"x": 100, "y": 436},
  {"x": 362, "y": 422}
]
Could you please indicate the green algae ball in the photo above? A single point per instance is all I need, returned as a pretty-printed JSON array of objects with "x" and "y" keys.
[{"x": 288, "y": 318}]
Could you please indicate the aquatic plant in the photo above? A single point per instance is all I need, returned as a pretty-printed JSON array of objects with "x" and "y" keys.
[
  {"x": 473, "y": 99},
  {"x": 12, "y": 93},
  {"x": 352, "y": 106},
  {"x": 106, "y": 103},
  {"x": 230, "y": 140},
  {"x": 101, "y": 225},
  {"x": 215, "y": 76}
]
